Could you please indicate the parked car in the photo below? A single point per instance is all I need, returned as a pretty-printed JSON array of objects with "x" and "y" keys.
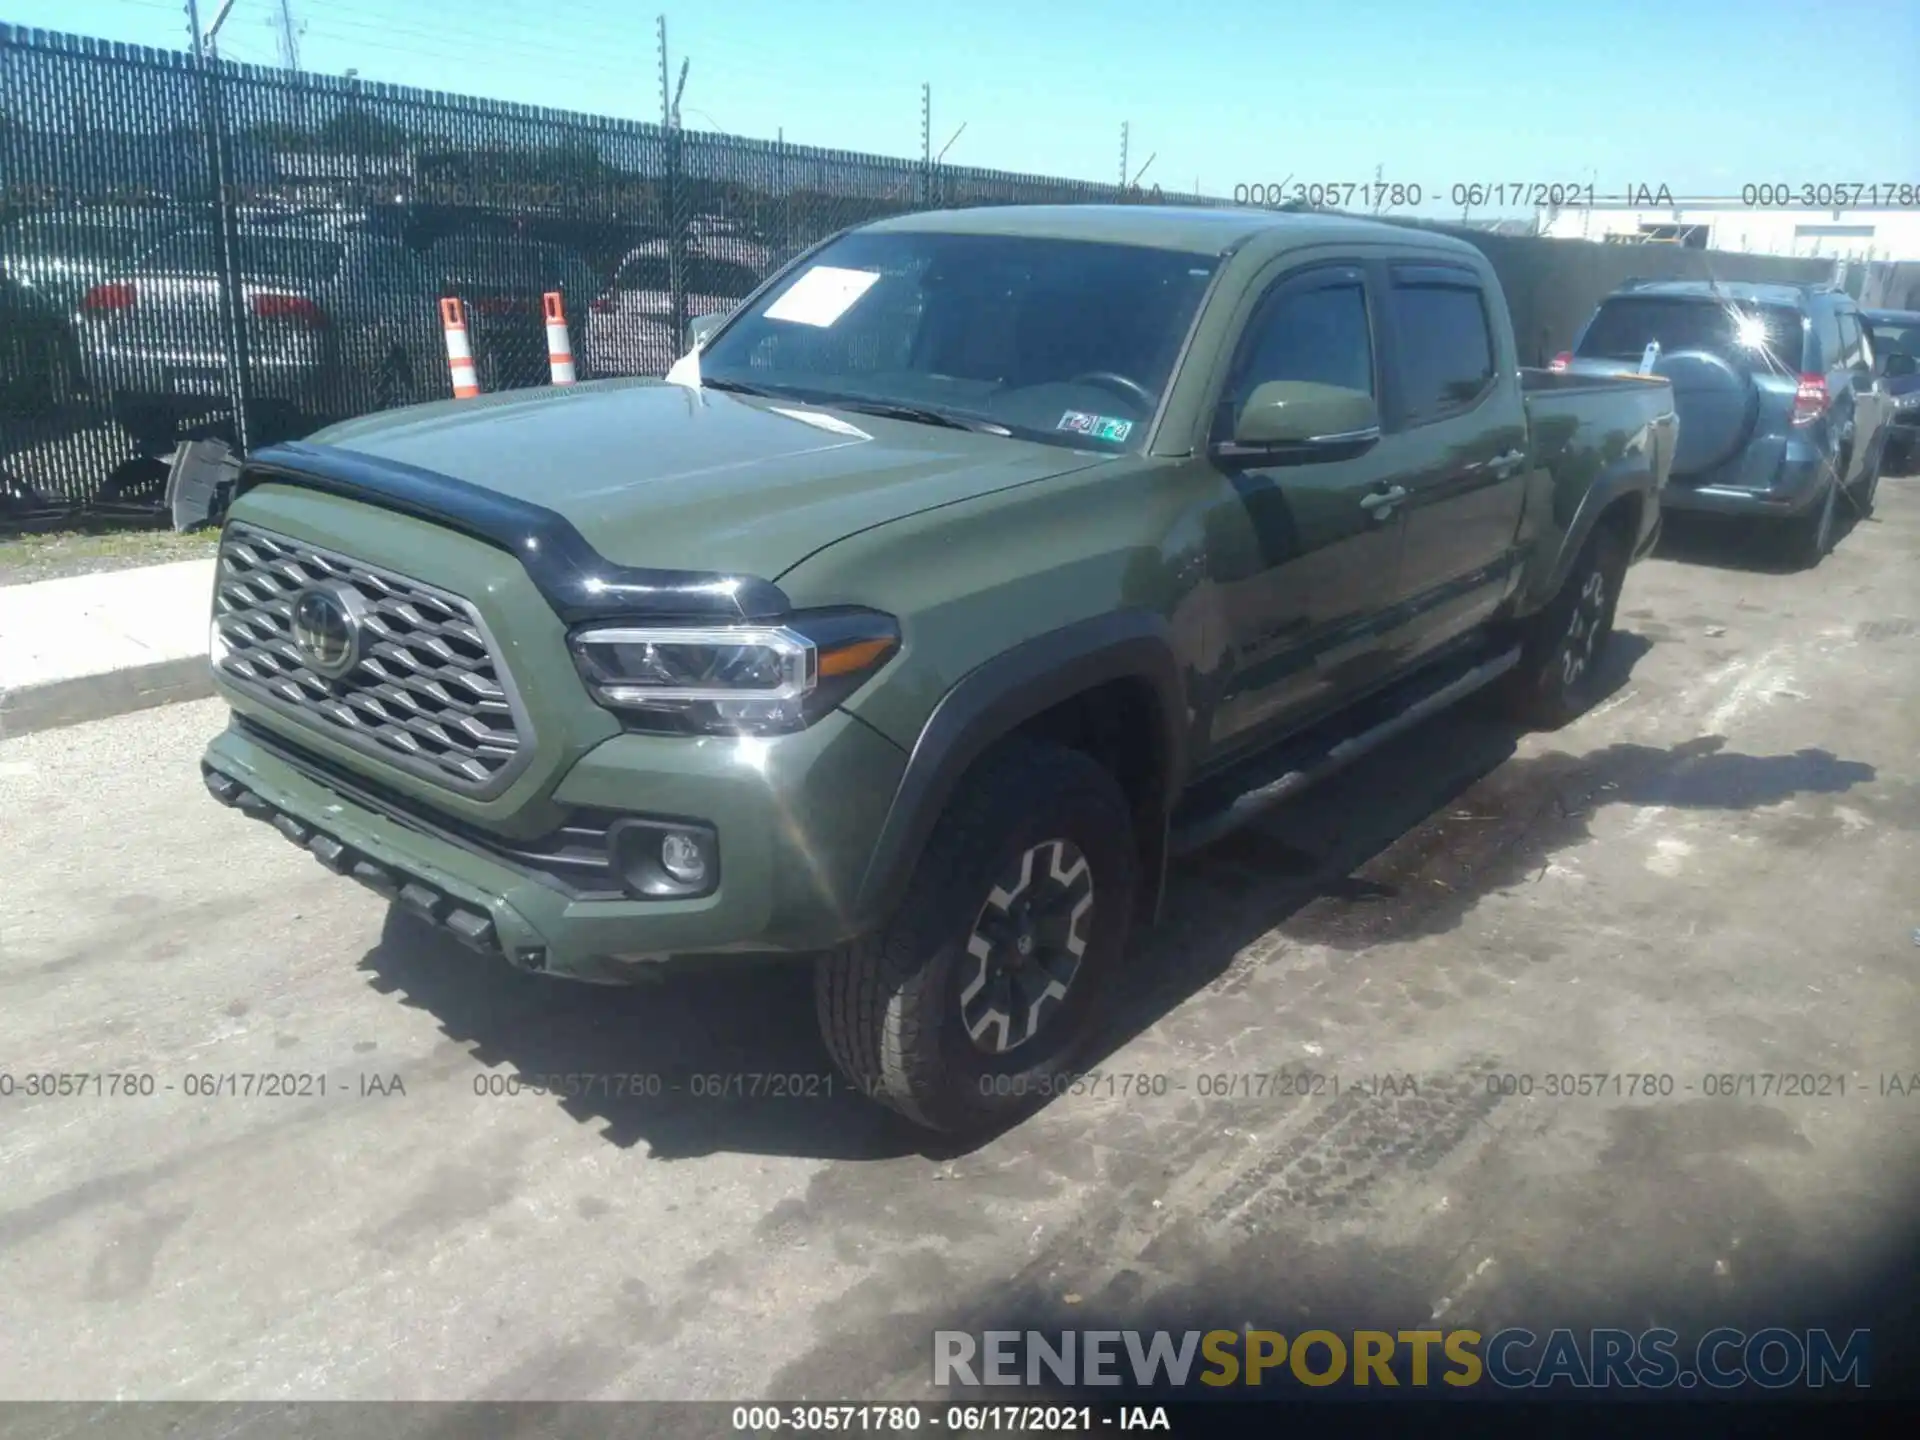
[
  {"x": 62, "y": 254},
  {"x": 338, "y": 321},
  {"x": 630, "y": 327},
  {"x": 1895, "y": 338},
  {"x": 500, "y": 278},
  {"x": 38, "y": 366},
  {"x": 1096, "y": 529},
  {"x": 1780, "y": 411}
]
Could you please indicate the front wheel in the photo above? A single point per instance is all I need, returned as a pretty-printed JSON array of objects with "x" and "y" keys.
[
  {"x": 967, "y": 1008},
  {"x": 1562, "y": 648}
]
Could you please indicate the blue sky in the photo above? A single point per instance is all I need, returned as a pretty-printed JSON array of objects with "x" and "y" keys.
[{"x": 1701, "y": 95}]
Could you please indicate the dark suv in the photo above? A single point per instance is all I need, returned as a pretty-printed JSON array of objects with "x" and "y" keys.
[
  {"x": 1781, "y": 413},
  {"x": 1895, "y": 338}
]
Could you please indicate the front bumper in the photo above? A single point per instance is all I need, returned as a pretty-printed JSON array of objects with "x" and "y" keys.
[{"x": 797, "y": 818}]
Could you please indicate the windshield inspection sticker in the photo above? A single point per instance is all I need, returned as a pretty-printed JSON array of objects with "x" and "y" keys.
[
  {"x": 822, "y": 295},
  {"x": 1100, "y": 427}
]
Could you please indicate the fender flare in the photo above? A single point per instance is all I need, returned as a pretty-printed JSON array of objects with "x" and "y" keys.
[
  {"x": 1600, "y": 497},
  {"x": 996, "y": 698}
]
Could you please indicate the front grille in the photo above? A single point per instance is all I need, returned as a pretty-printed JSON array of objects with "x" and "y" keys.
[{"x": 427, "y": 692}]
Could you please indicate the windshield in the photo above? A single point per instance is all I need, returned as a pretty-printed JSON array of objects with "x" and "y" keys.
[
  {"x": 1754, "y": 337},
  {"x": 1066, "y": 341},
  {"x": 505, "y": 261},
  {"x": 262, "y": 255},
  {"x": 1894, "y": 337},
  {"x": 58, "y": 237}
]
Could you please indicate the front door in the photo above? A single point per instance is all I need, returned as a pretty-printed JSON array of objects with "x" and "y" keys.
[{"x": 1314, "y": 544}]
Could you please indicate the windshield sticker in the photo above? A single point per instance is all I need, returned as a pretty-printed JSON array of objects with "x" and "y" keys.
[
  {"x": 1100, "y": 427},
  {"x": 822, "y": 295}
]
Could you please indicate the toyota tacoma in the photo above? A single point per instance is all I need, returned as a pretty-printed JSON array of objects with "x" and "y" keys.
[{"x": 976, "y": 564}]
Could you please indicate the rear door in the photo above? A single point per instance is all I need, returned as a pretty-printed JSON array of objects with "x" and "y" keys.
[
  {"x": 1857, "y": 390},
  {"x": 1307, "y": 616},
  {"x": 1454, "y": 402}
]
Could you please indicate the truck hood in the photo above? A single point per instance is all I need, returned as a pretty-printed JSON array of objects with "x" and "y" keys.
[{"x": 667, "y": 477}]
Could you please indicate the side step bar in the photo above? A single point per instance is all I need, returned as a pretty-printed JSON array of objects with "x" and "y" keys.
[{"x": 1312, "y": 763}]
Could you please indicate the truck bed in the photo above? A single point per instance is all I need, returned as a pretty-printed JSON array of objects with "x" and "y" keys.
[{"x": 1561, "y": 382}]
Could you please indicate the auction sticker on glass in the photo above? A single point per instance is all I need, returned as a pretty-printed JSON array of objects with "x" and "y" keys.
[
  {"x": 1100, "y": 427},
  {"x": 822, "y": 295}
]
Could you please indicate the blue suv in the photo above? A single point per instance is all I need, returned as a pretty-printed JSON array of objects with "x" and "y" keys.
[{"x": 1782, "y": 413}]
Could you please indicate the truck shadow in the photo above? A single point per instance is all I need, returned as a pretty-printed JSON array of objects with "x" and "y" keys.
[{"x": 729, "y": 1059}]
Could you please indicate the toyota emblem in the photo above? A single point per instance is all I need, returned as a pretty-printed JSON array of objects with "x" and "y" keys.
[{"x": 327, "y": 628}]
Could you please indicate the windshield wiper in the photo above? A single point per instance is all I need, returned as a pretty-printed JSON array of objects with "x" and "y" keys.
[
  {"x": 921, "y": 415},
  {"x": 736, "y": 387}
]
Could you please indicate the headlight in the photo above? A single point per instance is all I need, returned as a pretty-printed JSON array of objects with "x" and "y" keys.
[{"x": 735, "y": 679}]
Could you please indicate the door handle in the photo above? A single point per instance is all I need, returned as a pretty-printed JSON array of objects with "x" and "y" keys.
[
  {"x": 1501, "y": 464},
  {"x": 1380, "y": 504}
]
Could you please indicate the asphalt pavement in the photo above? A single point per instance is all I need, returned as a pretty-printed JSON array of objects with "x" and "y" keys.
[{"x": 291, "y": 1169}]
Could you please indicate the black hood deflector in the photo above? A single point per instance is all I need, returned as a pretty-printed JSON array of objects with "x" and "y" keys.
[{"x": 580, "y": 583}]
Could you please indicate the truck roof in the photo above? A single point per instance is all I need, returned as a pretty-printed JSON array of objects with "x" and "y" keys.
[{"x": 1195, "y": 229}]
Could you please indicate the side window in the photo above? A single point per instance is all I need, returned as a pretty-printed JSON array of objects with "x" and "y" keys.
[
  {"x": 1319, "y": 333},
  {"x": 1852, "y": 347},
  {"x": 719, "y": 277},
  {"x": 1445, "y": 346},
  {"x": 1826, "y": 329}
]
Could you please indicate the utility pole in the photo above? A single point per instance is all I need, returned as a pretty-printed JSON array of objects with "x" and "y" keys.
[
  {"x": 1378, "y": 171},
  {"x": 214, "y": 131},
  {"x": 666, "y": 105},
  {"x": 289, "y": 37},
  {"x": 1123, "y": 154},
  {"x": 926, "y": 143}
]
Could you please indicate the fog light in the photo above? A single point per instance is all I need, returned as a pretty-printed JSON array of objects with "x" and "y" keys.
[
  {"x": 682, "y": 858},
  {"x": 667, "y": 859}
]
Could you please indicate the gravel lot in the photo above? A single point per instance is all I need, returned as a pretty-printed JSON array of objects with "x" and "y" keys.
[{"x": 1703, "y": 877}]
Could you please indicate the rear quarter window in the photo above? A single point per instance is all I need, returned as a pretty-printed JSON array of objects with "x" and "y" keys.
[{"x": 1754, "y": 337}]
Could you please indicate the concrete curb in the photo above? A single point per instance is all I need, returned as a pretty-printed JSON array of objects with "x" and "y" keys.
[
  {"x": 99, "y": 697},
  {"x": 86, "y": 647}
]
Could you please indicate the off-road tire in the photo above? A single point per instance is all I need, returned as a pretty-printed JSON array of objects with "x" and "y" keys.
[
  {"x": 1809, "y": 535},
  {"x": 1555, "y": 680},
  {"x": 890, "y": 1002}
]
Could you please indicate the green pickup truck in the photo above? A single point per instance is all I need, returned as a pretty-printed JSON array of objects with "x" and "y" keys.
[{"x": 976, "y": 564}]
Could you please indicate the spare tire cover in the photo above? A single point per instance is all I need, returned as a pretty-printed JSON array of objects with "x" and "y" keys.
[{"x": 1716, "y": 404}]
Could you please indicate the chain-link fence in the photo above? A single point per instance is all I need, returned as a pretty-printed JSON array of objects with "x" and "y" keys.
[{"x": 192, "y": 249}]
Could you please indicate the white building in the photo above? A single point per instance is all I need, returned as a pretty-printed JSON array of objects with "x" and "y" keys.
[{"x": 1857, "y": 235}]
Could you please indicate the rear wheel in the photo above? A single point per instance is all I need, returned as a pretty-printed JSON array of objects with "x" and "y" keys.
[
  {"x": 393, "y": 385},
  {"x": 1810, "y": 535},
  {"x": 1868, "y": 485},
  {"x": 965, "y": 1009},
  {"x": 1564, "y": 644}
]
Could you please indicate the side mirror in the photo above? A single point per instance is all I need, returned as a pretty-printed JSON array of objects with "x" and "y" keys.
[
  {"x": 1302, "y": 419},
  {"x": 1898, "y": 365},
  {"x": 701, "y": 326}
]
